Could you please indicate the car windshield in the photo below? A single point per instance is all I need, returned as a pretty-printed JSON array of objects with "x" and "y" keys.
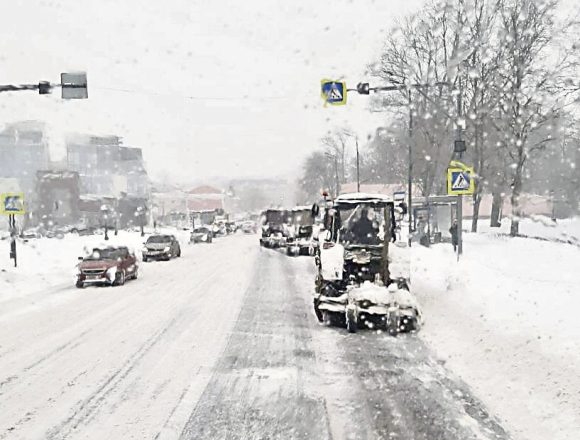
[
  {"x": 302, "y": 218},
  {"x": 201, "y": 230},
  {"x": 362, "y": 225},
  {"x": 106, "y": 254},
  {"x": 159, "y": 239}
]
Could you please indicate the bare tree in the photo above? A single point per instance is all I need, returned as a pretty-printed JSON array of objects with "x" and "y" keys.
[
  {"x": 336, "y": 142},
  {"x": 318, "y": 175},
  {"x": 534, "y": 74}
]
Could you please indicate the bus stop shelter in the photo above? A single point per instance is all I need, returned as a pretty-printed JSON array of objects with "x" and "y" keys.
[{"x": 432, "y": 218}]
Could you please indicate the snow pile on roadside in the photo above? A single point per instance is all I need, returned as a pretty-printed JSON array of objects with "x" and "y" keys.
[
  {"x": 505, "y": 319},
  {"x": 537, "y": 226}
]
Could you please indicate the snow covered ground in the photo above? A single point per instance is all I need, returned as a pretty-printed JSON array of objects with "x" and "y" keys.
[
  {"x": 505, "y": 319},
  {"x": 133, "y": 362},
  {"x": 537, "y": 226},
  {"x": 50, "y": 262}
]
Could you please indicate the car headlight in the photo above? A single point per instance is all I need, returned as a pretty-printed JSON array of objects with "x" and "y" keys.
[
  {"x": 166, "y": 249},
  {"x": 112, "y": 272},
  {"x": 144, "y": 250},
  {"x": 204, "y": 237}
]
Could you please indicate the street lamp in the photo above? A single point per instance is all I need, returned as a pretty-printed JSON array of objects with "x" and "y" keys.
[
  {"x": 140, "y": 213},
  {"x": 105, "y": 215}
]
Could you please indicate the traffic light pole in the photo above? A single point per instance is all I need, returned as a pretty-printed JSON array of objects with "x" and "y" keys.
[
  {"x": 73, "y": 85},
  {"x": 458, "y": 136}
]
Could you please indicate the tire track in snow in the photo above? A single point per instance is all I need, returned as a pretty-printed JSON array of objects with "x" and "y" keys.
[
  {"x": 87, "y": 408},
  {"x": 91, "y": 404}
]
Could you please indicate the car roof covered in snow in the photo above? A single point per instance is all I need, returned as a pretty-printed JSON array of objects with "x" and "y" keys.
[
  {"x": 301, "y": 208},
  {"x": 357, "y": 198}
]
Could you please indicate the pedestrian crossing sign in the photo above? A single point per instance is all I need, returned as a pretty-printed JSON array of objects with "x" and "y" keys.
[
  {"x": 460, "y": 181},
  {"x": 333, "y": 92},
  {"x": 12, "y": 203}
]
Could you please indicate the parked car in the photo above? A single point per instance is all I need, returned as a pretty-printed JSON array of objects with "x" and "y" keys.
[
  {"x": 29, "y": 234},
  {"x": 201, "y": 234},
  {"x": 111, "y": 266},
  {"x": 161, "y": 247}
]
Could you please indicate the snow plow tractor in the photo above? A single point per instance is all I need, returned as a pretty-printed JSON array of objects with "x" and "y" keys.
[
  {"x": 273, "y": 228},
  {"x": 299, "y": 231},
  {"x": 353, "y": 285}
]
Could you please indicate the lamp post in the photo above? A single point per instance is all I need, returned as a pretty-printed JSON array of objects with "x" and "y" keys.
[{"x": 105, "y": 215}]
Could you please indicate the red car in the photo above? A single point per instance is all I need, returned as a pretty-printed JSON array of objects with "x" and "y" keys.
[{"x": 110, "y": 266}]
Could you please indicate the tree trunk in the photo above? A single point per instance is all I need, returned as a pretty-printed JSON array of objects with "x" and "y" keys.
[
  {"x": 497, "y": 201},
  {"x": 476, "y": 203},
  {"x": 515, "y": 200}
]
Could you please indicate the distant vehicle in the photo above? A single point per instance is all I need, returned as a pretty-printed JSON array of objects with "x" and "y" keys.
[
  {"x": 219, "y": 228},
  {"x": 108, "y": 265},
  {"x": 82, "y": 229},
  {"x": 273, "y": 228},
  {"x": 299, "y": 231},
  {"x": 231, "y": 227},
  {"x": 201, "y": 234},
  {"x": 249, "y": 227},
  {"x": 29, "y": 234},
  {"x": 161, "y": 247}
]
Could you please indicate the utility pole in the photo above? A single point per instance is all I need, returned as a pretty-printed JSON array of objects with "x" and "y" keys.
[
  {"x": 357, "y": 168},
  {"x": 336, "y": 179},
  {"x": 410, "y": 170}
]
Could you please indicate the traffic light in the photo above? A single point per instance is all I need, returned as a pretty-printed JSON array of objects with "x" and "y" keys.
[
  {"x": 44, "y": 88},
  {"x": 459, "y": 146},
  {"x": 363, "y": 88}
]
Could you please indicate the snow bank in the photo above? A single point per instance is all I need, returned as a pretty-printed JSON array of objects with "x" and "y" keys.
[
  {"x": 505, "y": 319},
  {"x": 537, "y": 226}
]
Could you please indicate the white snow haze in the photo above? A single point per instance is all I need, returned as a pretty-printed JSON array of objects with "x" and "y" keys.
[{"x": 206, "y": 88}]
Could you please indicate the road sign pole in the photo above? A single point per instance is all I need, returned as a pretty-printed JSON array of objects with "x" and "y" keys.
[{"x": 12, "y": 228}]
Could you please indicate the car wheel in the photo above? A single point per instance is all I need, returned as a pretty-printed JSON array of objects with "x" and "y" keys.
[
  {"x": 119, "y": 278},
  {"x": 145, "y": 260},
  {"x": 318, "y": 312},
  {"x": 178, "y": 252},
  {"x": 80, "y": 285},
  {"x": 327, "y": 318},
  {"x": 135, "y": 274}
]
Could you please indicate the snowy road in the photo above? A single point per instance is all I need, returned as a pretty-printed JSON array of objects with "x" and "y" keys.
[{"x": 221, "y": 343}]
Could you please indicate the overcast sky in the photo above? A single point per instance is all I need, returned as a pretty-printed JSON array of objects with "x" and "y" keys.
[{"x": 205, "y": 87}]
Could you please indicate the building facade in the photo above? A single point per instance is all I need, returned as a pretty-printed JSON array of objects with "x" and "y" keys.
[
  {"x": 106, "y": 167},
  {"x": 23, "y": 152}
]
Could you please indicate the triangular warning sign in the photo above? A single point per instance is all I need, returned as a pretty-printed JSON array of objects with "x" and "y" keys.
[
  {"x": 334, "y": 94},
  {"x": 461, "y": 182}
]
